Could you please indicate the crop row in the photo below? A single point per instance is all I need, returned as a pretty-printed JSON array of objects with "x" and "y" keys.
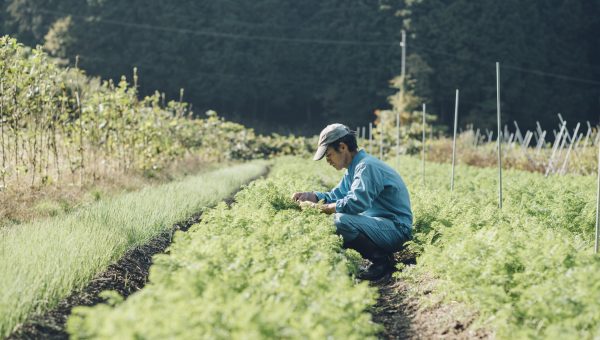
[
  {"x": 529, "y": 269},
  {"x": 44, "y": 261},
  {"x": 261, "y": 268}
]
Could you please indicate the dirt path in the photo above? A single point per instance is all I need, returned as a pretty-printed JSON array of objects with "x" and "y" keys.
[{"x": 402, "y": 317}]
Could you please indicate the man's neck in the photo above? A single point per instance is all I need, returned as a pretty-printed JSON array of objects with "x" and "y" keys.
[{"x": 352, "y": 155}]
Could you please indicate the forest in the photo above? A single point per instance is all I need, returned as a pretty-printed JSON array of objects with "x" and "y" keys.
[{"x": 291, "y": 66}]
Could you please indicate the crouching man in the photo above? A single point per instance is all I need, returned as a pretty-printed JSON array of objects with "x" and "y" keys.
[{"x": 371, "y": 204}]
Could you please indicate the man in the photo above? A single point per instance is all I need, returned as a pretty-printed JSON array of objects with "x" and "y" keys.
[{"x": 371, "y": 204}]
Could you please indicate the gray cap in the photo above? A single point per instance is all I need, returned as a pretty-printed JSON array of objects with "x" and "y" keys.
[{"x": 330, "y": 134}]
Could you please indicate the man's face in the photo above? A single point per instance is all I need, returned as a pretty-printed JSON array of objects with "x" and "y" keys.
[{"x": 336, "y": 158}]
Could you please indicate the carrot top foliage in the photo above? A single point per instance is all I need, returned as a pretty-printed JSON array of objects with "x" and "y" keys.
[
  {"x": 529, "y": 269},
  {"x": 260, "y": 269}
]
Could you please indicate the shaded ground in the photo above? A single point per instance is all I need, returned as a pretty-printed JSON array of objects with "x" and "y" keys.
[{"x": 403, "y": 318}]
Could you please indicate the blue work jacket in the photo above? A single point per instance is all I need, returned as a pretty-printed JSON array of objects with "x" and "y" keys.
[{"x": 371, "y": 188}]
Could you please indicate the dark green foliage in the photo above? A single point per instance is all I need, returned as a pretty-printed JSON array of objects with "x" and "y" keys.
[
  {"x": 271, "y": 64},
  {"x": 461, "y": 40},
  {"x": 266, "y": 62}
]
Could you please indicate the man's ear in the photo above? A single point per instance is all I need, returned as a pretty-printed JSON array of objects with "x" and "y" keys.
[{"x": 343, "y": 146}]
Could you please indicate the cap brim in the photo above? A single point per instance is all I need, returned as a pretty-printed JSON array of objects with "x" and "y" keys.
[{"x": 320, "y": 152}]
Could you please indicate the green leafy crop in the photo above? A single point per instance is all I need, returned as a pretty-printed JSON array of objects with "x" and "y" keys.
[
  {"x": 256, "y": 270},
  {"x": 528, "y": 269}
]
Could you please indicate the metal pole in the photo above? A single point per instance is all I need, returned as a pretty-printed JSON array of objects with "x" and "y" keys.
[
  {"x": 499, "y": 136},
  {"x": 370, "y": 138},
  {"x": 423, "y": 145},
  {"x": 597, "y": 206},
  {"x": 381, "y": 139},
  {"x": 403, "y": 45},
  {"x": 454, "y": 141},
  {"x": 397, "y": 139}
]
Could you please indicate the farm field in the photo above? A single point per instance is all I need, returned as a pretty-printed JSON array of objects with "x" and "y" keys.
[
  {"x": 43, "y": 261},
  {"x": 155, "y": 163},
  {"x": 262, "y": 268},
  {"x": 527, "y": 270}
]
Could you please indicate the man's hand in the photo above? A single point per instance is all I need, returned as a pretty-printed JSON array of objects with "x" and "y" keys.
[
  {"x": 324, "y": 208},
  {"x": 304, "y": 196},
  {"x": 307, "y": 204}
]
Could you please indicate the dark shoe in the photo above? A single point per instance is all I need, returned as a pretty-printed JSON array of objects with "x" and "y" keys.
[
  {"x": 381, "y": 260},
  {"x": 377, "y": 270}
]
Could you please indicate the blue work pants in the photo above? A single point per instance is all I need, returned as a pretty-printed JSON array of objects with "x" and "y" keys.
[{"x": 381, "y": 231}]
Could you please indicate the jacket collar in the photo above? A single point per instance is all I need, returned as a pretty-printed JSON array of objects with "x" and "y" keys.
[{"x": 357, "y": 158}]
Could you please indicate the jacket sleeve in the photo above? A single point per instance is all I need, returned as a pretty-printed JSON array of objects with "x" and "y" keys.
[
  {"x": 336, "y": 193},
  {"x": 366, "y": 186}
]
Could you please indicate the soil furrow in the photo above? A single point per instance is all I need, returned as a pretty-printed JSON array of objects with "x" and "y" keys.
[
  {"x": 126, "y": 276},
  {"x": 402, "y": 316}
]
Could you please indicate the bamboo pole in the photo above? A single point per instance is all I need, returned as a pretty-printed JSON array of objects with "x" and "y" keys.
[
  {"x": 518, "y": 134},
  {"x": 556, "y": 143},
  {"x": 540, "y": 142},
  {"x": 564, "y": 166},
  {"x": 588, "y": 134},
  {"x": 454, "y": 141}
]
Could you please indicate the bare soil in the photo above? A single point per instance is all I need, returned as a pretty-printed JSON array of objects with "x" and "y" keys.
[{"x": 403, "y": 315}]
